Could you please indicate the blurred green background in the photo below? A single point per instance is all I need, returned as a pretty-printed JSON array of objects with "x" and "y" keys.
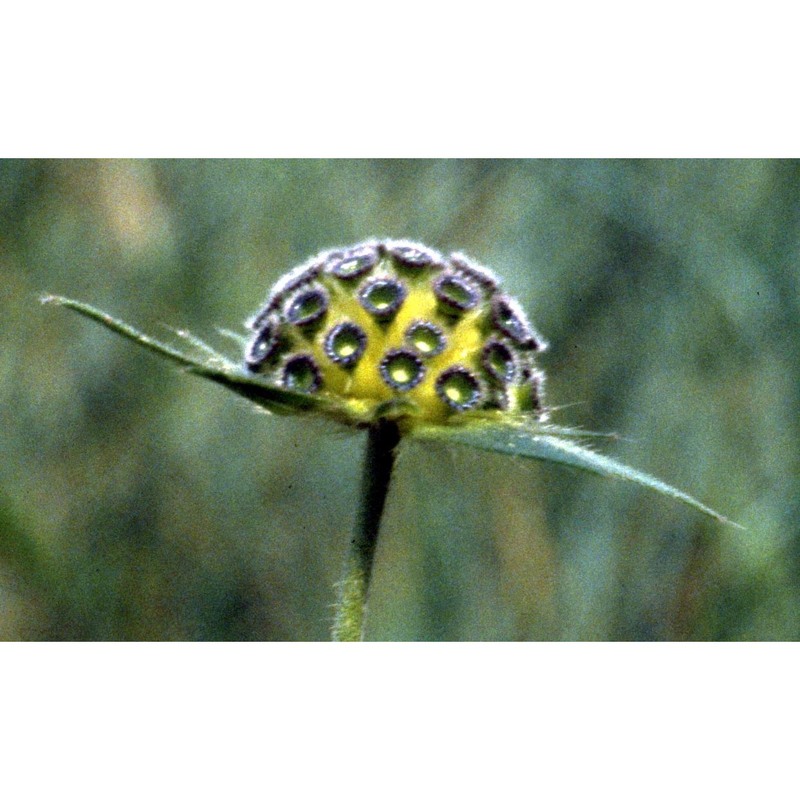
[{"x": 140, "y": 503}]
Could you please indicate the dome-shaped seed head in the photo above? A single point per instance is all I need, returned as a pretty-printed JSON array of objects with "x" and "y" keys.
[
  {"x": 402, "y": 369},
  {"x": 345, "y": 343},
  {"x": 393, "y": 327},
  {"x": 459, "y": 388},
  {"x": 382, "y": 297},
  {"x": 301, "y": 374},
  {"x": 455, "y": 293},
  {"x": 426, "y": 338}
]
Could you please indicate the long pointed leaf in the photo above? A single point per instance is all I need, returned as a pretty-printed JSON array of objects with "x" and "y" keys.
[
  {"x": 517, "y": 440},
  {"x": 211, "y": 365}
]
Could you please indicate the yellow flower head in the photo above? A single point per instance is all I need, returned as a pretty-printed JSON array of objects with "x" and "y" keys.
[{"x": 394, "y": 327}]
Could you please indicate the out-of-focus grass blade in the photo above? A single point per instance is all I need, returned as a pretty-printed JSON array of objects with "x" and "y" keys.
[
  {"x": 542, "y": 443},
  {"x": 19, "y": 550},
  {"x": 208, "y": 364}
]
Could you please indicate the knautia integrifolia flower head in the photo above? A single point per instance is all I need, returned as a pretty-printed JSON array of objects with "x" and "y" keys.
[
  {"x": 393, "y": 328},
  {"x": 397, "y": 338}
]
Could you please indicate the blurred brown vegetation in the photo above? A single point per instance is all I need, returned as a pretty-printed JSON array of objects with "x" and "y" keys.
[{"x": 139, "y": 503}]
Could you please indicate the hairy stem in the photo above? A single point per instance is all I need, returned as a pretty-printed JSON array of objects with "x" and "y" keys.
[{"x": 382, "y": 438}]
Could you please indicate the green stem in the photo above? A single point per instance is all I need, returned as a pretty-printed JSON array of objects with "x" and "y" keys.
[{"x": 382, "y": 438}]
